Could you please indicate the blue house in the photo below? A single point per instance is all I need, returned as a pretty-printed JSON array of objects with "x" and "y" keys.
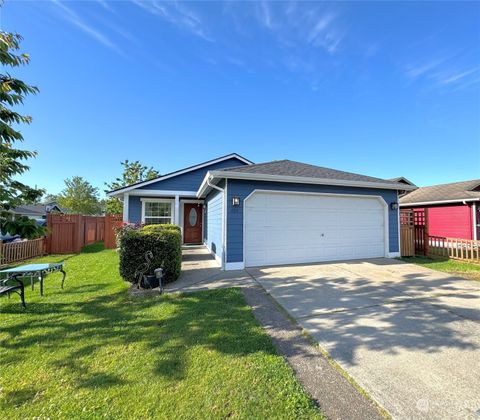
[{"x": 279, "y": 212}]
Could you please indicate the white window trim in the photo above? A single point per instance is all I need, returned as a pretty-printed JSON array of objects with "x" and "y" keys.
[{"x": 157, "y": 200}]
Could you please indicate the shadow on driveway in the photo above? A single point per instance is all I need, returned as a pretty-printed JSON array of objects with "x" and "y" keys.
[{"x": 409, "y": 335}]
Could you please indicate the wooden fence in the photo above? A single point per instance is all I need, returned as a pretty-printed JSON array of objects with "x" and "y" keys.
[
  {"x": 23, "y": 250},
  {"x": 68, "y": 233},
  {"x": 420, "y": 222},
  {"x": 112, "y": 221},
  {"x": 415, "y": 239},
  {"x": 407, "y": 233},
  {"x": 454, "y": 248}
]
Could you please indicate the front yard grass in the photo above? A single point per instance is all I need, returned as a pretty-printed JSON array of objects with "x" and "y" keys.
[
  {"x": 460, "y": 268},
  {"x": 93, "y": 351}
]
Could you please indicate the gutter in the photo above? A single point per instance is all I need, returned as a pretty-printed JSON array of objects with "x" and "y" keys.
[
  {"x": 426, "y": 203},
  {"x": 216, "y": 187},
  {"x": 303, "y": 180}
]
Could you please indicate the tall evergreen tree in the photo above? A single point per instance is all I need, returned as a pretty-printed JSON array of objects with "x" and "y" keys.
[{"x": 12, "y": 160}]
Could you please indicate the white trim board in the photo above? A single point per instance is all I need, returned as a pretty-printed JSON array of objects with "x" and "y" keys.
[
  {"x": 126, "y": 207},
  {"x": 297, "y": 180},
  {"x": 215, "y": 256},
  {"x": 157, "y": 200},
  {"x": 179, "y": 172},
  {"x": 166, "y": 193},
  {"x": 475, "y": 221},
  {"x": 426, "y": 203},
  {"x": 234, "y": 266}
]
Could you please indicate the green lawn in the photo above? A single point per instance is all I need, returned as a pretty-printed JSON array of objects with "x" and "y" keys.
[
  {"x": 93, "y": 351},
  {"x": 460, "y": 268}
]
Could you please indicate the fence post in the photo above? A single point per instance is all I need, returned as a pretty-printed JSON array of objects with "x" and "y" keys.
[
  {"x": 78, "y": 233},
  {"x": 48, "y": 242},
  {"x": 426, "y": 234}
]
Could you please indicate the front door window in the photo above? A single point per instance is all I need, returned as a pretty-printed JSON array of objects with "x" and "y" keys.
[{"x": 192, "y": 217}]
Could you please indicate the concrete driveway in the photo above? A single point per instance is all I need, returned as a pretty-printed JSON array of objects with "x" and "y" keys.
[{"x": 410, "y": 336}]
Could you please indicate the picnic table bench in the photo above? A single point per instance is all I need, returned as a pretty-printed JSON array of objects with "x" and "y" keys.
[
  {"x": 13, "y": 283},
  {"x": 15, "y": 286}
]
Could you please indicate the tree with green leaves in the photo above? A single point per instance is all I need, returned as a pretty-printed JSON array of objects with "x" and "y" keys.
[
  {"x": 49, "y": 198},
  {"x": 79, "y": 196},
  {"x": 12, "y": 160},
  {"x": 132, "y": 172}
]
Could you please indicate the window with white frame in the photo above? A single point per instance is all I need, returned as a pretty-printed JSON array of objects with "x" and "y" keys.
[{"x": 157, "y": 212}]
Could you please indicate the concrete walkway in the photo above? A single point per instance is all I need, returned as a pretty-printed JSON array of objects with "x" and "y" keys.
[
  {"x": 201, "y": 272},
  {"x": 408, "y": 335}
]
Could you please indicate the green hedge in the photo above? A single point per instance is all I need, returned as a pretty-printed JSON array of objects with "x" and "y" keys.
[
  {"x": 160, "y": 228},
  {"x": 165, "y": 243}
]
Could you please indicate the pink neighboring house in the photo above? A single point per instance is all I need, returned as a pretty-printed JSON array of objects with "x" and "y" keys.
[{"x": 453, "y": 209}]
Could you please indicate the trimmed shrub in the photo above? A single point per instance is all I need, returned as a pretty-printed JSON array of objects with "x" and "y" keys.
[
  {"x": 160, "y": 228},
  {"x": 165, "y": 244}
]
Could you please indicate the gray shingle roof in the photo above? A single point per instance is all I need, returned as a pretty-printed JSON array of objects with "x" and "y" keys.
[
  {"x": 36, "y": 209},
  {"x": 444, "y": 192},
  {"x": 298, "y": 169},
  {"x": 30, "y": 209}
]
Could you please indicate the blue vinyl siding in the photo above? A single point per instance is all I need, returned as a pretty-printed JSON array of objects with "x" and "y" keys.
[
  {"x": 191, "y": 181},
  {"x": 134, "y": 209},
  {"x": 244, "y": 188},
  {"x": 213, "y": 228},
  {"x": 186, "y": 182}
]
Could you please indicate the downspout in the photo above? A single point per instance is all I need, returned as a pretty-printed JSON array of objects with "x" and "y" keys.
[
  {"x": 475, "y": 221},
  {"x": 224, "y": 227}
]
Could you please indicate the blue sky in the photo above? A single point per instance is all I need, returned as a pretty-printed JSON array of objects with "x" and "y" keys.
[{"x": 380, "y": 88}]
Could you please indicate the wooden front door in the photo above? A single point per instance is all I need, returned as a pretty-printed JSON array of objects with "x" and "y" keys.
[{"x": 192, "y": 223}]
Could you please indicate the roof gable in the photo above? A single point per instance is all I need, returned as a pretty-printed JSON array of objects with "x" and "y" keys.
[
  {"x": 187, "y": 179},
  {"x": 402, "y": 180}
]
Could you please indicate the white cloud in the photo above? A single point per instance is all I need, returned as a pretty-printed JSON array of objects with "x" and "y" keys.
[
  {"x": 71, "y": 16},
  {"x": 265, "y": 14},
  {"x": 178, "y": 15},
  {"x": 416, "y": 70},
  {"x": 450, "y": 70},
  {"x": 319, "y": 28},
  {"x": 106, "y": 5},
  {"x": 456, "y": 77}
]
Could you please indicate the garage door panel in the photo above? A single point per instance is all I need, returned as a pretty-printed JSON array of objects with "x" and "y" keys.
[{"x": 289, "y": 228}]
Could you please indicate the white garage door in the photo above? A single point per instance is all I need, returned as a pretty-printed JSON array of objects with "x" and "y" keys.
[{"x": 288, "y": 228}]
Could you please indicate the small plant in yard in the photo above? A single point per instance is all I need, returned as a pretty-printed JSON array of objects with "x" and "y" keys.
[{"x": 164, "y": 242}]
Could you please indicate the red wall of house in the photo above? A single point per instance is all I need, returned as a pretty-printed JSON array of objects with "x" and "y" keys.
[{"x": 454, "y": 221}]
